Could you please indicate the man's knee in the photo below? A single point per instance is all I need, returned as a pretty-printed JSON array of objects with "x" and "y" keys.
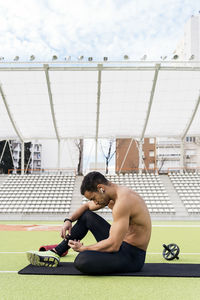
[
  {"x": 87, "y": 215},
  {"x": 82, "y": 262}
]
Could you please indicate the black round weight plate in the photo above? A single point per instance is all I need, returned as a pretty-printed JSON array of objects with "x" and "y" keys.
[{"x": 171, "y": 251}]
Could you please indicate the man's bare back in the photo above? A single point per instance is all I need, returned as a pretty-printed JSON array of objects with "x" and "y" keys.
[{"x": 139, "y": 231}]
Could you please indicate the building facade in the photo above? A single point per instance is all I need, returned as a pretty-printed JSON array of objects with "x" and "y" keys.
[
  {"x": 127, "y": 155},
  {"x": 159, "y": 154},
  {"x": 192, "y": 152},
  {"x": 36, "y": 155},
  {"x": 189, "y": 46},
  {"x": 168, "y": 154},
  {"x": 34, "y": 160}
]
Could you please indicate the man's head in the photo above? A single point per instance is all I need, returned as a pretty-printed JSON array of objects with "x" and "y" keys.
[{"x": 93, "y": 188}]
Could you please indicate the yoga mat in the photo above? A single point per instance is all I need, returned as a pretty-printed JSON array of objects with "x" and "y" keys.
[{"x": 149, "y": 270}]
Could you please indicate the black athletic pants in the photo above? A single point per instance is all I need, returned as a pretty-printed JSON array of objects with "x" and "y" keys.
[{"x": 127, "y": 259}]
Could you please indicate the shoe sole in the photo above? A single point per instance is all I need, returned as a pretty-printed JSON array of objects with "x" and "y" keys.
[{"x": 48, "y": 261}]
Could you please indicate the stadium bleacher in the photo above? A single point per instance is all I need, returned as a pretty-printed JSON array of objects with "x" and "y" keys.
[
  {"x": 187, "y": 185},
  {"x": 36, "y": 194},
  {"x": 52, "y": 194},
  {"x": 149, "y": 186}
]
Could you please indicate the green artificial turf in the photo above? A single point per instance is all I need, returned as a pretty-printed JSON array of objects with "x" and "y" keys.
[{"x": 28, "y": 287}]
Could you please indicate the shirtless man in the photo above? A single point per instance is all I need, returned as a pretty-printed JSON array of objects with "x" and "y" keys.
[{"x": 121, "y": 247}]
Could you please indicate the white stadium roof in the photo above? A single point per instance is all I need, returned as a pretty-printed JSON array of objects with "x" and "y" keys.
[{"x": 99, "y": 100}]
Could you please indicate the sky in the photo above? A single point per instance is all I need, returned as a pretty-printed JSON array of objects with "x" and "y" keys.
[{"x": 96, "y": 28}]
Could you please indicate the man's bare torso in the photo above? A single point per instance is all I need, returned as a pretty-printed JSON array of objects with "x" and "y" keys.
[{"x": 139, "y": 231}]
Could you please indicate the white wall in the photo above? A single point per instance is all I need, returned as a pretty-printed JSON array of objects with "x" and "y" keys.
[
  {"x": 69, "y": 154},
  {"x": 190, "y": 43}
]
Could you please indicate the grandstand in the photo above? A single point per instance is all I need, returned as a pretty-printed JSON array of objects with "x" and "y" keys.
[
  {"x": 147, "y": 99},
  {"x": 55, "y": 196},
  {"x": 149, "y": 187},
  {"x": 36, "y": 194}
]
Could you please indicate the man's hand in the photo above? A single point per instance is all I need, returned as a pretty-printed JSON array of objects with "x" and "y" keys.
[
  {"x": 66, "y": 227},
  {"x": 75, "y": 245}
]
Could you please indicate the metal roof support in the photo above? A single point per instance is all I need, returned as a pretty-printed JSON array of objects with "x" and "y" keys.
[
  {"x": 10, "y": 115},
  {"x": 157, "y": 67},
  {"x": 13, "y": 123},
  {"x": 4, "y": 148},
  {"x": 125, "y": 156},
  {"x": 98, "y": 111},
  {"x": 182, "y": 156},
  {"x": 191, "y": 119},
  {"x": 110, "y": 65},
  {"x": 59, "y": 151},
  {"x": 22, "y": 158},
  {"x": 140, "y": 157},
  {"x": 46, "y": 69}
]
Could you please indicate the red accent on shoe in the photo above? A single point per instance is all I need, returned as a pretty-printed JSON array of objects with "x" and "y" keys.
[{"x": 50, "y": 247}]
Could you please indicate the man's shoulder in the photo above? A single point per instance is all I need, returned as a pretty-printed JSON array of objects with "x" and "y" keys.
[
  {"x": 126, "y": 195},
  {"x": 127, "y": 200},
  {"x": 123, "y": 203}
]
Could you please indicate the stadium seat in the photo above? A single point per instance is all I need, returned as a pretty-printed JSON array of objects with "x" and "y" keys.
[
  {"x": 187, "y": 186},
  {"x": 36, "y": 194}
]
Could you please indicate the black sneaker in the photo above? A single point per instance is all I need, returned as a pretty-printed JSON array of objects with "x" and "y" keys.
[{"x": 43, "y": 259}]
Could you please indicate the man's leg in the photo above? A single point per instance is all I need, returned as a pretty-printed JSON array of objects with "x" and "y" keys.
[
  {"x": 127, "y": 259},
  {"x": 88, "y": 221}
]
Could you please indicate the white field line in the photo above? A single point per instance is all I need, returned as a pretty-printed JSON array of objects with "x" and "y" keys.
[
  {"x": 150, "y": 253},
  {"x": 53, "y": 225},
  {"x": 182, "y": 253},
  {"x": 17, "y": 224},
  {"x": 8, "y": 271},
  {"x": 41, "y": 227},
  {"x": 12, "y": 252},
  {"x": 175, "y": 225}
]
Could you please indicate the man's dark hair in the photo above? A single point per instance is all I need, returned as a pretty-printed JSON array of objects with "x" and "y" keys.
[{"x": 91, "y": 180}]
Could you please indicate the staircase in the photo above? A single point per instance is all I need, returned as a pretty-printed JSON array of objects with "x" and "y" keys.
[
  {"x": 76, "y": 196},
  {"x": 174, "y": 197}
]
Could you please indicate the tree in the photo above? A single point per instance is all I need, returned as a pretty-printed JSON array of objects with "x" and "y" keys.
[
  {"x": 27, "y": 159},
  {"x": 109, "y": 154},
  {"x": 6, "y": 162},
  {"x": 79, "y": 145}
]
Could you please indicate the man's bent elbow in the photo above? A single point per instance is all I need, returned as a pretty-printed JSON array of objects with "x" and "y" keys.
[{"x": 115, "y": 247}]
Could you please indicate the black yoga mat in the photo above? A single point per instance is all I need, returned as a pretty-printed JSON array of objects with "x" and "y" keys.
[{"x": 149, "y": 270}]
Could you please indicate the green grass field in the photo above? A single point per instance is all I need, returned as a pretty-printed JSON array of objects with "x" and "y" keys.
[{"x": 29, "y": 287}]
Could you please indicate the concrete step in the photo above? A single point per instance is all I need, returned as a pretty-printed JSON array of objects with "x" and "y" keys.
[
  {"x": 76, "y": 196},
  {"x": 174, "y": 197}
]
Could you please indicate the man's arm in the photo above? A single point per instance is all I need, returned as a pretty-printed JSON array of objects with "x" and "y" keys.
[
  {"x": 68, "y": 225},
  {"x": 88, "y": 205},
  {"x": 118, "y": 231}
]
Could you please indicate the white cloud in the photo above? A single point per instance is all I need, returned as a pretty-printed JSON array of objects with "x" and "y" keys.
[{"x": 92, "y": 27}]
